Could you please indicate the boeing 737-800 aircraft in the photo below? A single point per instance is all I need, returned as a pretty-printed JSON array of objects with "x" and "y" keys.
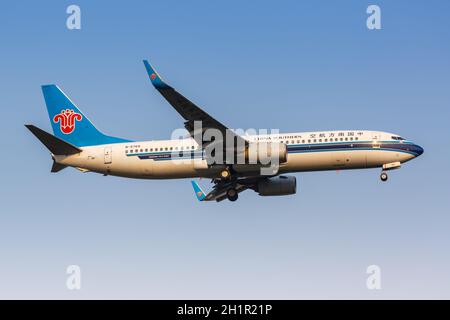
[{"x": 77, "y": 143}]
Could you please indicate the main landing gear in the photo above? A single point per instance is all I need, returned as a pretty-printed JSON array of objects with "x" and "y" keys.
[
  {"x": 226, "y": 177},
  {"x": 383, "y": 176},
  {"x": 225, "y": 174},
  {"x": 232, "y": 194}
]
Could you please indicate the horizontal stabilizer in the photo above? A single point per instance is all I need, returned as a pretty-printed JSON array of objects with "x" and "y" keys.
[
  {"x": 54, "y": 144},
  {"x": 56, "y": 167}
]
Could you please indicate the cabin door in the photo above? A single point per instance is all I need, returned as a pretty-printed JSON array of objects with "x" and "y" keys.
[
  {"x": 108, "y": 155},
  {"x": 375, "y": 140}
]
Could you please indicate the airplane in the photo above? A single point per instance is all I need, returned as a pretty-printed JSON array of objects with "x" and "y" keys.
[{"x": 77, "y": 143}]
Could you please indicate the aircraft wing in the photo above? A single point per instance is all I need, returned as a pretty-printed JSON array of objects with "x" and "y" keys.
[
  {"x": 218, "y": 193},
  {"x": 188, "y": 110}
]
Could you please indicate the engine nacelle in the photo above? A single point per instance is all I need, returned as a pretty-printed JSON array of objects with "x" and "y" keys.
[
  {"x": 266, "y": 153},
  {"x": 277, "y": 186}
]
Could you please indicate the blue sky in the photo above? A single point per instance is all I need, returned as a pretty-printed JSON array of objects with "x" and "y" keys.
[{"x": 289, "y": 65}]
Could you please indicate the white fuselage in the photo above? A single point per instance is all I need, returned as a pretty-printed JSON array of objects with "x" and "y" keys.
[{"x": 307, "y": 151}]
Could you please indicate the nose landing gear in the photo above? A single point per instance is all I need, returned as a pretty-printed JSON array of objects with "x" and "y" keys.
[{"x": 389, "y": 166}]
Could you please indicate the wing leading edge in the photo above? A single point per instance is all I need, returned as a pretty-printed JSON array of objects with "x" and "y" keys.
[{"x": 187, "y": 109}]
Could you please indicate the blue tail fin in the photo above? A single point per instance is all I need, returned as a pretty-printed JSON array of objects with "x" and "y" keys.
[{"x": 69, "y": 123}]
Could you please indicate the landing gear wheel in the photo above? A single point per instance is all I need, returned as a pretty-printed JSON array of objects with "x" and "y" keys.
[
  {"x": 383, "y": 176},
  {"x": 232, "y": 194},
  {"x": 225, "y": 174}
]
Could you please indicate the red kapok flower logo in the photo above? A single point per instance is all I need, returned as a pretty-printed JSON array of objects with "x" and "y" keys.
[{"x": 67, "y": 120}]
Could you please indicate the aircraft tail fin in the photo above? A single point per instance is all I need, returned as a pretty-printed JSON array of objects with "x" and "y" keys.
[{"x": 69, "y": 123}]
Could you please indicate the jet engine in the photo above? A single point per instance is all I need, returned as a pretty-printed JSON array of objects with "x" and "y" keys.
[{"x": 277, "y": 186}]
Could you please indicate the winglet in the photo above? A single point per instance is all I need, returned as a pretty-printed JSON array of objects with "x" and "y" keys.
[
  {"x": 155, "y": 78},
  {"x": 198, "y": 191}
]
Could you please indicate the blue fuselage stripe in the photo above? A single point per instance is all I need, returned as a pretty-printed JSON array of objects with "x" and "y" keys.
[{"x": 404, "y": 147}]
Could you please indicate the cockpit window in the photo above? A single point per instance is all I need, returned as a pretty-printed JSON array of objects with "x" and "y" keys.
[{"x": 397, "y": 138}]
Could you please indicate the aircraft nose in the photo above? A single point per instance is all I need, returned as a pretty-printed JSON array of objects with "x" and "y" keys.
[{"x": 418, "y": 149}]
